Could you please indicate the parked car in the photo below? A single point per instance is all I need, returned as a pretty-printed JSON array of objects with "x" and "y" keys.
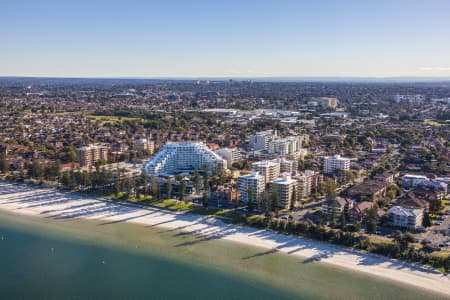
[{"x": 421, "y": 229}]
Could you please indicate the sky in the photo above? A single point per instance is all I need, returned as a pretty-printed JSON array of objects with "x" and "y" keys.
[{"x": 216, "y": 38}]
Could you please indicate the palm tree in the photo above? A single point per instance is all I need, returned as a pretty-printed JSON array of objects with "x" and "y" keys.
[
  {"x": 250, "y": 196},
  {"x": 169, "y": 188},
  {"x": 403, "y": 240}
]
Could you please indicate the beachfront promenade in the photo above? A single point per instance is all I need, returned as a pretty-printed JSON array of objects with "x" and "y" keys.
[{"x": 45, "y": 202}]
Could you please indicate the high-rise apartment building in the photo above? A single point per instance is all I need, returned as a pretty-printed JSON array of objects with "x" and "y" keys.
[
  {"x": 285, "y": 187},
  {"x": 261, "y": 139},
  {"x": 327, "y": 102},
  {"x": 316, "y": 179},
  {"x": 269, "y": 169},
  {"x": 334, "y": 163},
  {"x": 231, "y": 155},
  {"x": 144, "y": 145},
  {"x": 285, "y": 146},
  {"x": 308, "y": 182},
  {"x": 286, "y": 165},
  {"x": 304, "y": 186},
  {"x": 288, "y": 146},
  {"x": 184, "y": 157},
  {"x": 251, "y": 187},
  {"x": 89, "y": 155}
]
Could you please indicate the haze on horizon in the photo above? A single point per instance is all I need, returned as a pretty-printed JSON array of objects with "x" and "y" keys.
[{"x": 247, "y": 38}]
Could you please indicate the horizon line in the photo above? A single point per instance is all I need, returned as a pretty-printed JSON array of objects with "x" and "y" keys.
[{"x": 256, "y": 78}]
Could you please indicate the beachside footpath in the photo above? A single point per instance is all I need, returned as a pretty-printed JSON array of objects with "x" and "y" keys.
[{"x": 47, "y": 202}]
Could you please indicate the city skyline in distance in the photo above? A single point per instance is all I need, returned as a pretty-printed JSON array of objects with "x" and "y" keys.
[{"x": 252, "y": 39}]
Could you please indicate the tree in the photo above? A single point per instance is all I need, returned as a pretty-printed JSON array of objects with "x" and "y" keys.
[
  {"x": 182, "y": 189},
  {"x": 266, "y": 203},
  {"x": 158, "y": 193},
  {"x": 36, "y": 170},
  {"x": 169, "y": 188},
  {"x": 371, "y": 219},
  {"x": 154, "y": 186},
  {"x": 3, "y": 163},
  {"x": 221, "y": 175},
  {"x": 275, "y": 199},
  {"x": 206, "y": 178},
  {"x": 403, "y": 240},
  {"x": 293, "y": 199},
  {"x": 197, "y": 181},
  {"x": 330, "y": 189},
  {"x": 343, "y": 222},
  {"x": 250, "y": 196},
  {"x": 116, "y": 187},
  {"x": 66, "y": 179},
  {"x": 205, "y": 199},
  {"x": 144, "y": 178},
  {"x": 435, "y": 204},
  {"x": 426, "y": 220},
  {"x": 72, "y": 154},
  {"x": 51, "y": 172},
  {"x": 392, "y": 191},
  {"x": 131, "y": 187}
]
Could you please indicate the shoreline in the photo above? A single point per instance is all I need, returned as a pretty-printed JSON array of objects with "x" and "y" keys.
[{"x": 48, "y": 203}]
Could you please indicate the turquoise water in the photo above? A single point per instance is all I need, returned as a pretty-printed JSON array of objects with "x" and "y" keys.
[
  {"x": 50, "y": 259},
  {"x": 35, "y": 267}
]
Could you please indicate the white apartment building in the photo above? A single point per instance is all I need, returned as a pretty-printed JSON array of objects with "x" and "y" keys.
[
  {"x": 334, "y": 163},
  {"x": 327, "y": 102},
  {"x": 308, "y": 182},
  {"x": 251, "y": 186},
  {"x": 411, "y": 181},
  {"x": 289, "y": 146},
  {"x": 405, "y": 217},
  {"x": 285, "y": 186},
  {"x": 182, "y": 157},
  {"x": 89, "y": 155},
  {"x": 270, "y": 170},
  {"x": 409, "y": 98},
  {"x": 316, "y": 179},
  {"x": 285, "y": 146},
  {"x": 144, "y": 145},
  {"x": 231, "y": 155},
  {"x": 304, "y": 186},
  {"x": 286, "y": 165},
  {"x": 261, "y": 139}
]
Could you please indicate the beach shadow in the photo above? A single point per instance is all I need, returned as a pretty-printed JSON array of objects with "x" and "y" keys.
[
  {"x": 316, "y": 258},
  {"x": 127, "y": 219},
  {"x": 268, "y": 252}
]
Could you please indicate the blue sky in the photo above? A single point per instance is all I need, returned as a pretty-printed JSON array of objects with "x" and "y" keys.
[{"x": 234, "y": 38}]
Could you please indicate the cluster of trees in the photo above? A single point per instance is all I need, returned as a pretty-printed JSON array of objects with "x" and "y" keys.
[
  {"x": 443, "y": 115},
  {"x": 400, "y": 248},
  {"x": 242, "y": 165},
  {"x": 82, "y": 180},
  {"x": 40, "y": 171}
]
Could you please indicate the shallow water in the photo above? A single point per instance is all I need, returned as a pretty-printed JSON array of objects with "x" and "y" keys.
[{"x": 42, "y": 258}]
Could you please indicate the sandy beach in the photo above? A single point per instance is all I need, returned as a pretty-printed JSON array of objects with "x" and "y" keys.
[{"x": 46, "y": 202}]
